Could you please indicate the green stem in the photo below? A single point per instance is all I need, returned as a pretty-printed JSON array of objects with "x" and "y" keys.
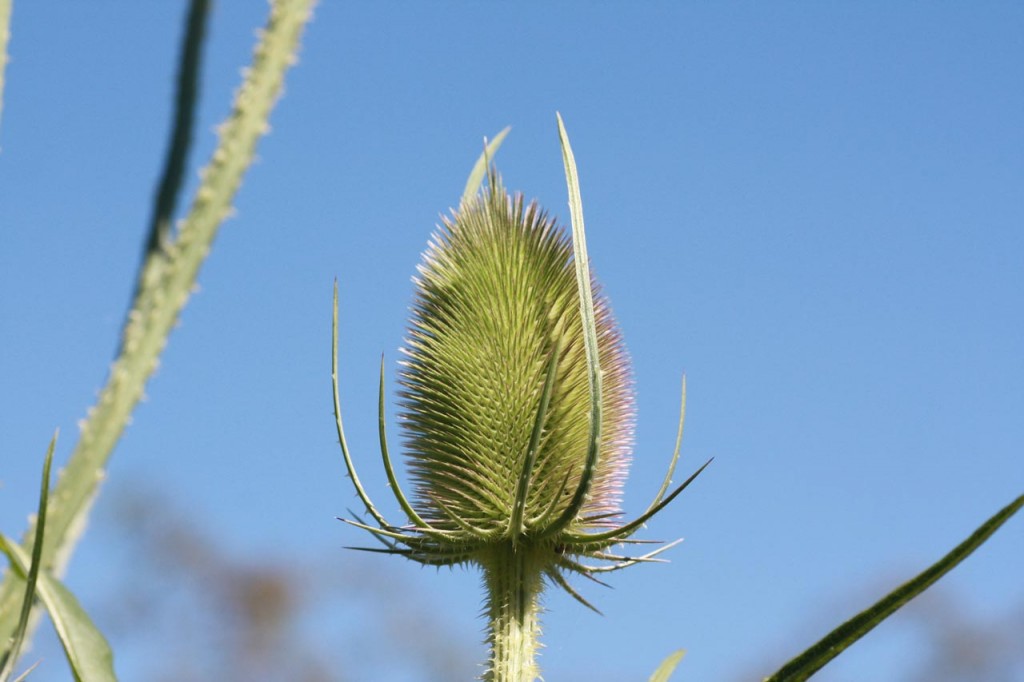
[
  {"x": 514, "y": 580},
  {"x": 167, "y": 279}
]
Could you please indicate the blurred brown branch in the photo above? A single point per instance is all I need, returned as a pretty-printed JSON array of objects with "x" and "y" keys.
[{"x": 192, "y": 611}]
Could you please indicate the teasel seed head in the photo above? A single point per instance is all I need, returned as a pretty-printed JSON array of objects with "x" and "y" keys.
[
  {"x": 497, "y": 305},
  {"x": 516, "y": 398}
]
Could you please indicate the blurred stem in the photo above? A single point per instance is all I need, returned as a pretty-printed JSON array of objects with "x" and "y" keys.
[
  {"x": 513, "y": 576},
  {"x": 168, "y": 277},
  {"x": 5, "y": 34}
]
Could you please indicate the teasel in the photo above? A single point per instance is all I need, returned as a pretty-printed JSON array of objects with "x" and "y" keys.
[{"x": 517, "y": 405}]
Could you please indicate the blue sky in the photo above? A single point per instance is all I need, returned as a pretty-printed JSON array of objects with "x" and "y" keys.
[{"x": 814, "y": 210}]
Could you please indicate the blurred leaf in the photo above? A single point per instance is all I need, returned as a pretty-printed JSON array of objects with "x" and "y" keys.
[
  {"x": 184, "y": 119},
  {"x": 667, "y": 667},
  {"x": 5, "y": 34},
  {"x": 186, "y": 101},
  {"x": 10, "y": 657},
  {"x": 87, "y": 651},
  {"x": 24, "y": 676},
  {"x": 812, "y": 660}
]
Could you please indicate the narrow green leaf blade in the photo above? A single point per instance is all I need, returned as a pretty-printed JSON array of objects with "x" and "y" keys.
[
  {"x": 476, "y": 176},
  {"x": 667, "y": 667},
  {"x": 88, "y": 652},
  {"x": 175, "y": 163},
  {"x": 186, "y": 100},
  {"x": 10, "y": 657},
  {"x": 812, "y": 660}
]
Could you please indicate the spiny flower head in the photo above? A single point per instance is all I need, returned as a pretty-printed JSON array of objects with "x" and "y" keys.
[
  {"x": 516, "y": 398},
  {"x": 496, "y": 298}
]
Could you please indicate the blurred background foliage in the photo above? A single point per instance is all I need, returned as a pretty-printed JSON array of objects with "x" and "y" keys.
[{"x": 179, "y": 608}]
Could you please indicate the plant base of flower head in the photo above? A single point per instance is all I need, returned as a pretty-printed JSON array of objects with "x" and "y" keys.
[{"x": 518, "y": 408}]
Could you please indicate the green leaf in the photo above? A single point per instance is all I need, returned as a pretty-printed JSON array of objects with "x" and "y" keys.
[
  {"x": 476, "y": 176},
  {"x": 812, "y": 660},
  {"x": 87, "y": 651},
  {"x": 667, "y": 667},
  {"x": 184, "y": 120},
  {"x": 10, "y": 657},
  {"x": 171, "y": 180}
]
